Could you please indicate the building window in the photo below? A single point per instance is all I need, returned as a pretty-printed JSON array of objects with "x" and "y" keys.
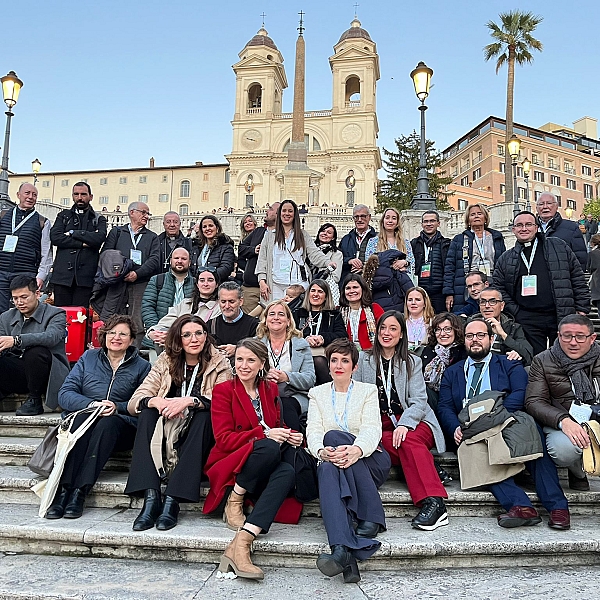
[
  {"x": 249, "y": 200},
  {"x": 103, "y": 180},
  {"x": 103, "y": 199},
  {"x": 64, "y": 183},
  {"x": 454, "y": 170},
  {"x": 143, "y": 198},
  {"x": 536, "y": 195},
  {"x": 536, "y": 160},
  {"x": 184, "y": 210},
  {"x": 163, "y": 197},
  {"x": 65, "y": 201},
  {"x": 478, "y": 156},
  {"x": 462, "y": 204},
  {"x": 143, "y": 179},
  {"x": 46, "y": 183},
  {"x": 538, "y": 176},
  {"x": 554, "y": 179},
  {"x": 123, "y": 199},
  {"x": 571, "y": 184},
  {"x": 501, "y": 150},
  {"x": 559, "y": 200},
  {"x": 585, "y": 170},
  {"x": 476, "y": 174},
  {"x": 520, "y": 171},
  {"x": 569, "y": 168},
  {"x": 204, "y": 196},
  {"x": 551, "y": 163},
  {"x": 184, "y": 189},
  {"x": 165, "y": 178},
  {"x": 226, "y": 175},
  {"x": 571, "y": 204},
  {"x": 123, "y": 180},
  {"x": 83, "y": 180},
  {"x": 502, "y": 189},
  {"x": 205, "y": 177},
  {"x": 588, "y": 191},
  {"x": 522, "y": 193},
  {"x": 226, "y": 199},
  {"x": 502, "y": 167},
  {"x": 465, "y": 181}
]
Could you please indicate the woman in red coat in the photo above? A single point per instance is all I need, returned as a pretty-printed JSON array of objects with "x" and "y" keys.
[{"x": 246, "y": 457}]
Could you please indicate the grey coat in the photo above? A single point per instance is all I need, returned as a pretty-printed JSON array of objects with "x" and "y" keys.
[
  {"x": 47, "y": 327},
  {"x": 412, "y": 396}
]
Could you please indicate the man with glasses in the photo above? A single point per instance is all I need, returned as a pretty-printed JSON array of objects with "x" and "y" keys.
[
  {"x": 354, "y": 243},
  {"x": 430, "y": 249},
  {"x": 484, "y": 371},
  {"x": 141, "y": 245},
  {"x": 475, "y": 282},
  {"x": 541, "y": 282},
  {"x": 563, "y": 392},
  {"x": 552, "y": 224},
  {"x": 509, "y": 338}
]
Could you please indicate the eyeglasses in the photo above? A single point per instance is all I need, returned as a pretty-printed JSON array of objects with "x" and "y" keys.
[
  {"x": 119, "y": 334},
  {"x": 207, "y": 268},
  {"x": 144, "y": 212},
  {"x": 480, "y": 335},
  {"x": 490, "y": 301},
  {"x": 360, "y": 217},
  {"x": 193, "y": 334},
  {"x": 443, "y": 330},
  {"x": 524, "y": 225},
  {"x": 579, "y": 338}
]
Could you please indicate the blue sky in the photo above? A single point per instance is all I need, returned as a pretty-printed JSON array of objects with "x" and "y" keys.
[{"x": 109, "y": 84}]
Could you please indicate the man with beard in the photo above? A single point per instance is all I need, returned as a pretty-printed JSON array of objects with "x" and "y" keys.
[
  {"x": 249, "y": 249},
  {"x": 78, "y": 233},
  {"x": 483, "y": 371},
  {"x": 430, "y": 249}
]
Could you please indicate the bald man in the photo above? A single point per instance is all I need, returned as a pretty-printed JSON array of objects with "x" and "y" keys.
[{"x": 25, "y": 247}]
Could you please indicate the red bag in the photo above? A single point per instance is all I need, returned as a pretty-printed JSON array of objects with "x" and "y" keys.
[{"x": 76, "y": 331}]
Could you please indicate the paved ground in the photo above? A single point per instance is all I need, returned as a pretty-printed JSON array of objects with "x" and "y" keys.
[{"x": 31, "y": 577}]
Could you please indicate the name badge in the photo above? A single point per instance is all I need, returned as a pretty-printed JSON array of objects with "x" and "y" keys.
[
  {"x": 10, "y": 243},
  {"x": 285, "y": 265},
  {"x": 529, "y": 285},
  {"x": 136, "y": 256},
  {"x": 580, "y": 412},
  {"x": 426, "y": 270},
  {"x": 485, "y": 267}
]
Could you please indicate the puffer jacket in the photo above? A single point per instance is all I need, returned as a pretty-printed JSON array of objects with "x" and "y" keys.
[
  {"x": 157, "y": 300},
  {"x": 454, "y": 273},
  {"x": 569, "y": 232},
  {"x": 92, "y": 379},
  {"x": 221, "y": 256},
  {"x": 569, "y": 288},
  {"x": 549, "y": 393},
  {"x": 439, "y": 251},
  {"x": 388, "y": 285},
  {"x": 332, "y": 325}
]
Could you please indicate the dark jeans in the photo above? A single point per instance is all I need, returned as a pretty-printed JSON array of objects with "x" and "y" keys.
[
  {"x": 28, "y": 374},
  {"x": 73, "y": 295},
  {"x": 540, "y": 329}
]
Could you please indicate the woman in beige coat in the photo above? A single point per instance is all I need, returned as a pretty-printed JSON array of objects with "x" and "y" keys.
[{"x": 173, "y": 403}]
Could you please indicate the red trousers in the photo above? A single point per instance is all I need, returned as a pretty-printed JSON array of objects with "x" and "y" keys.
[{"x": 416, "y": 460}]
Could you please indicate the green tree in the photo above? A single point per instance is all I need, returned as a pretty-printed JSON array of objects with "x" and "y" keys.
[
  {"x": 402, "y": 168},
  {"x": 512, "y": 44},
  {"x": 592, "y": 207}
]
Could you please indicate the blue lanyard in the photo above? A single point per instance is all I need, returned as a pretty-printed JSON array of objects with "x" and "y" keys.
[{"x": 343, "y": 426}]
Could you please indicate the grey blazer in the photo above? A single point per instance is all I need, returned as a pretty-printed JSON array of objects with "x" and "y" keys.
[
  {"x": 302, "y": 376},
  {"x": 413, "y": 396}
]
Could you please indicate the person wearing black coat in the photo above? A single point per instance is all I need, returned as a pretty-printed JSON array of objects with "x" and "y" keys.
[
  {"x": 354, "y": 244},
  {"x": 171, "y": 239},
  {"x": 389, "y": 285},
  {"x": 78, "y": 233},
  {"x": 553, "y": 225},
  {"x": 559, "y": 289},
  {"x": 215, "y": 249}
]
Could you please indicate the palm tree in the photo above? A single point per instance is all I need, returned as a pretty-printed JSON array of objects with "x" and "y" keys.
[{"x": 513, "y": 42}]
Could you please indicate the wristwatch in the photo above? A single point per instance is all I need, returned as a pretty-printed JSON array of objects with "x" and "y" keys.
[{"x": 197, "y": 402}]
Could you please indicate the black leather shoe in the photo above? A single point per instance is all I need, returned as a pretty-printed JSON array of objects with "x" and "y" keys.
[
  {"x": 74, "y": 508},
  {"x": 580, "y": 484},
  {"x": 150, "y": 511},
  {"x": 336, "y": 562},
  {"x": 57, "y": 510},
  {"x": 31, "y": 407},
  {"x": 168, "y": 518},
  {"x": 351, "y": 572},
  {"x": 367, "y": 529}
]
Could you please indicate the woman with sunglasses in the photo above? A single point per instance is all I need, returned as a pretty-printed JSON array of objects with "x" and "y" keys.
[{"x": 173, "y": 407}]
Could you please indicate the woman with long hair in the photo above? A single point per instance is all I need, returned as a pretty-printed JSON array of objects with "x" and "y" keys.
[
  {"x": 215, "y": 249},
  {"x": 359, "y": 312},
  {"x": 173, "y": 404},
  {"x": 390, "y": 237},
  {"x": 320, "y": 323},
  {"x": 246, "y": 461},
  {"x": 107, "y": 377},
  {"x": 284, "y": 255},
  {"x": 290, "y": 359},
  {"x": 410, "y": 428},
  {"x": 326, "y": 241},
  {"x": 418, "y": 313},
  {"x": 475, "y": 249},
  {"x": 343, "y": 431},
  {"x": 247, "y": 225}
]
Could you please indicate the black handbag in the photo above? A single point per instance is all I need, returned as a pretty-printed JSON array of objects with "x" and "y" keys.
[
  {"x": 42, "y": 460},
  {"x": 306, "y": 488}
]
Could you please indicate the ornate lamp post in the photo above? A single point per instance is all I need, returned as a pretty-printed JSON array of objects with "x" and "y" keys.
[
  {"x": 422, "y": 200},
  {"x": 526, "y": 170},
  {"x": 568, "y": 212},
  {"x": 36, "y": 165},
  {"x": 11, "y": 86},
  {"x": 514, "y": 147}
]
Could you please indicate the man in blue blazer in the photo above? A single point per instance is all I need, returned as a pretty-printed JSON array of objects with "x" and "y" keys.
[{"x": 482, "y": 371}]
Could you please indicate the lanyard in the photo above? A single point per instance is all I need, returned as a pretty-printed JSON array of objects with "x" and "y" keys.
[
  {"x": 480, "y": 246},
  {"x": 315, "y": 325},
  {"x": 184, "y": 387},
  {"x": 204, "y": 255},
  {"x": 387, "y": 388},
  {"x": 276, "y": 358},
  {"x": 427, "y": 252},
  {"x": 343, "y": 426},
  {"x": 15, "y": 227},
  {"x": 354, "y": 318},
  {"x": 485, "y": 368},
  {"x": 528, "y": 264},
  {"x": 135, "y": 241}
]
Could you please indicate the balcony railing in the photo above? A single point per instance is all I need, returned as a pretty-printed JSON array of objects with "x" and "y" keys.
[
  {"x": 537, "y": 163},
  {"x": 309, "y": 114},
  {"x": 569, "y": 170},
  {"x": 253, "y": 111}
]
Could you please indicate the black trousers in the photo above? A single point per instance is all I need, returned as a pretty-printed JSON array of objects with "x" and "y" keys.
[
  {"x": 193, "y": 449},
  {"x": 268, "y": 480},
  {"x": 93, "y": 449},
  {"x": 27, "y": 374},
  {"x": 540, "y": 329},
  {"x": 291, "y": 412},
  {"x": 438, "y": 301},
  {"x": 321, "y": 369},
  {"x": 74, "y": 295}
]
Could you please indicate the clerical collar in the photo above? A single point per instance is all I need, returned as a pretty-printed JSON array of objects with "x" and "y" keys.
[
  {"x": 234, "y": 320},
  {"x": 527, "y": 244}
]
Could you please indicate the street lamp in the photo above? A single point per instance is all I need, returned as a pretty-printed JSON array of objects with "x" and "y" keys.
[
  {"x": 526, "y": 170},
  {"x": 422, "y": 200},
  {"x": 36, "y": 165},
  {"x": 11, "y": 86},
  {"x": 514, "y": 147},
  {"x": 568, "y": 212}
]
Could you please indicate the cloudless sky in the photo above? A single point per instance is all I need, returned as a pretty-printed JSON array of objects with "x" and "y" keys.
[{"x": 109, "y": 84}]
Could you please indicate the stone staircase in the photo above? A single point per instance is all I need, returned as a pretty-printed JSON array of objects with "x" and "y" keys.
[{"x": 472, "y": 538}]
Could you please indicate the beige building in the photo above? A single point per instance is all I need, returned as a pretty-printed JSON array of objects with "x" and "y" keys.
[{"x": 564, "y": 161}]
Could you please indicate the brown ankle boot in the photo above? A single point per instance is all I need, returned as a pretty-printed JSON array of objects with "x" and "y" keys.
[
  {"x": 236, "y": 557},
  {"x": 234, "y": 511}
]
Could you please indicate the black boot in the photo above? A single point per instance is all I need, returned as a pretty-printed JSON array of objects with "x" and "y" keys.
[
  {"x": 57, "y": 510},
  {"x": 168, "y": 518},
  {"x": 74, "y": 508},
  {"x": 336, "y": 562},
  {"x": 150, "y": 511},
  {"x": 367, "y": 529},
  {"x": 351, "y": 572},
  {"x": 31, "y": 407}
]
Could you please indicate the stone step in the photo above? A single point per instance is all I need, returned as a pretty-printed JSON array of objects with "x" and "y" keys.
[
  {"x": 13, "y": 426},
  {"x": 16, "y": 482},
  {"x": 467, "y": 541}
]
